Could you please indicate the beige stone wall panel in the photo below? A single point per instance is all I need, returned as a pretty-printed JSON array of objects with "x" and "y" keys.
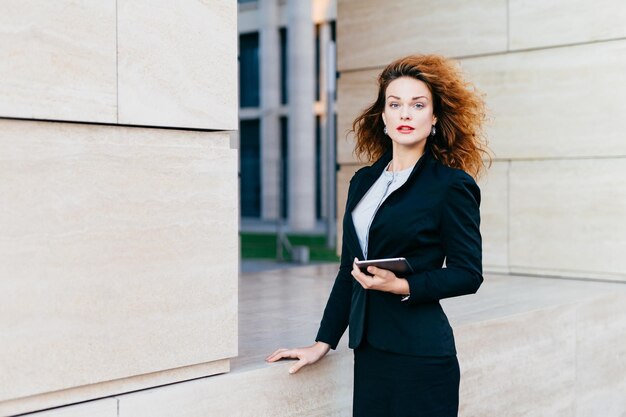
[
  {"x": 509, "y": 359},
  {"x": 537, "y": 23},
  {"x": 567, "y": 217},
  {"x": 600, "y": 353},
  {"x": 322, "y": 390},
  {"x": 494, "y": 216},
  {"x": 106, "y": 389},
  {"x": 549, "y": 359},
  {"x": 554, "y": 103},
  {"x": 372, "y": 34},
  {"x": 58, "y": 60},
  {"x": 118, "y": 252},
  {"x": 101, "y": 408},
  {"x": 178, "y": 63}
]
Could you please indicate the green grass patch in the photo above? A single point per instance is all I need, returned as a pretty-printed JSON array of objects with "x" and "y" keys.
[{"x": 263, "y": 246}]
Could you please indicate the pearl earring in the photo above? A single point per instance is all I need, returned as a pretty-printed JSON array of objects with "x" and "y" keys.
[
  {"x": 385, "y": 130},
  {"x": 433, "y": 131}
]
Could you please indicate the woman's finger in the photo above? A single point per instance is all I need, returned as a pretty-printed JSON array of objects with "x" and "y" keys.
[
  {"x": 276, "y": 352},
  {"x": 356, "y": 271},
  {"x": 357, "y": 274},
  {"x": 381, "y": 273},
  {"x": 375, "y": 270},
  {"x": 297, "y": 366},
  {"x": 366, "y": 281}
]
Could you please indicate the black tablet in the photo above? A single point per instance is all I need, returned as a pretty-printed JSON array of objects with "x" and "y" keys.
[{"x": 398, "y": 266}]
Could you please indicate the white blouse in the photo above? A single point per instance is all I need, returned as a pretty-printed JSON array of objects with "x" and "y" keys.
[{"x": 366, "y": 209}]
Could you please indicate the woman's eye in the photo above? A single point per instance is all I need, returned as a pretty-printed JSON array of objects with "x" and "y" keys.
[{"x": 396, "y": 105}]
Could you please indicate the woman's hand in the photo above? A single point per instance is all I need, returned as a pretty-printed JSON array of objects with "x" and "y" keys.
[
  {"x": 381, "y": 280},
  {"x": 306, "y": 355}
]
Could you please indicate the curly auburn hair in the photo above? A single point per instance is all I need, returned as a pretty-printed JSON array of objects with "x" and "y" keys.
[{"x": 459, "y": 108}]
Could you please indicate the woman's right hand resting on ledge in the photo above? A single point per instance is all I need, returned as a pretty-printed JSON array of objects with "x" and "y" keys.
[{"x": 306, "y": 355}]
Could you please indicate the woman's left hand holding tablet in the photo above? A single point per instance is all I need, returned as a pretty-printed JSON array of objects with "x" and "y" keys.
[{"x": 380, "y": 279}]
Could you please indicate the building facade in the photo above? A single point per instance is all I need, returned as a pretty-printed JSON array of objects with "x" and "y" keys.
[{"x": 283, "y": 72}]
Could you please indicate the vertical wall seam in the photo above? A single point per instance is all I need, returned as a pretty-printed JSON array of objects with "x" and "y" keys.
[
  {"x": 574, "y": 388},
  {"x": 508, "y": 25},
  {"x": 117, "y": 67},
  {"x": 508, "y": 216}
]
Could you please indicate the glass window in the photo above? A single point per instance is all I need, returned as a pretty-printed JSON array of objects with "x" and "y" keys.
[
  {"x": 249, "y": 70},
  {"x": 318, "y": 167},
  {"x": 317, "y": 62},
  {"x": 284, "y": 162},
  {"x": 283, "y": 66},
  {"x": 250, "y": 166}
]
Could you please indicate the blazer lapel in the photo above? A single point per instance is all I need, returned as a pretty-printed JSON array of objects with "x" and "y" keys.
[
  {"x": 364, "y": 183},
  {"x": 362, "y": 186},
  {"x": 368, "y": 178}
]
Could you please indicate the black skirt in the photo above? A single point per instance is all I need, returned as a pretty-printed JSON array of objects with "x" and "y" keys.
[{"x": 393, "y": 385}]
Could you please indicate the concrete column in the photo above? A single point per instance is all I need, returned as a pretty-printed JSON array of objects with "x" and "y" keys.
[
  {"x": 269, "y": 43},
  {"x": 325, "y": 35},
  {"x": 301, "y": 84}
]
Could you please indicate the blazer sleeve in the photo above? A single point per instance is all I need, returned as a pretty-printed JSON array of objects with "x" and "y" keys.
[
  {"x": 337, "y": 312},
  {"x": 462, "y": 245}
]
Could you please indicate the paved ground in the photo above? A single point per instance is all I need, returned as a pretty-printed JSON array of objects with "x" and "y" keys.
[
  {"x": 247, "y": 266},
  {"x": 266, "y": 226}
]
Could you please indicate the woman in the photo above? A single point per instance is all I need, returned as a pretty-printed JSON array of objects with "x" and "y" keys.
[{"x": 418, "y": 200}]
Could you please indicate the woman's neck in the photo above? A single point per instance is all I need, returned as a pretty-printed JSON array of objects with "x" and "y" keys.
[{"x": 404, "y": 158}]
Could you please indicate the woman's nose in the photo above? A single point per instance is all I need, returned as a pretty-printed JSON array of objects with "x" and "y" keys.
[{"x": 405, "y": 114}]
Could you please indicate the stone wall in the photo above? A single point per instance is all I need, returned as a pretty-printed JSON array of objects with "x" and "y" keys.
[{"x": 119, "y": 213}]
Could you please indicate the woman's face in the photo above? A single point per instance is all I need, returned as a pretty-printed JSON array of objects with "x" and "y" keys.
[{"x": 408, "y": 113}]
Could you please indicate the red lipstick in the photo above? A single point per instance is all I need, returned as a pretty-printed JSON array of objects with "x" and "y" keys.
[{"x": 405, "y": 129}]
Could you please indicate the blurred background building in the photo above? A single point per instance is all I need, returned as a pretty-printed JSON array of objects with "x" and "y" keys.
[{"x": 283, "y": 101}]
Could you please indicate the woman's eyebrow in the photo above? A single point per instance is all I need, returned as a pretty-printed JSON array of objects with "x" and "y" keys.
[{"x": 414, "y": 98}]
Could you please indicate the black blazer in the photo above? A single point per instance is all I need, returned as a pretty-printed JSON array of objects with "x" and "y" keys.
[{"x": 432, "y": 217}]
